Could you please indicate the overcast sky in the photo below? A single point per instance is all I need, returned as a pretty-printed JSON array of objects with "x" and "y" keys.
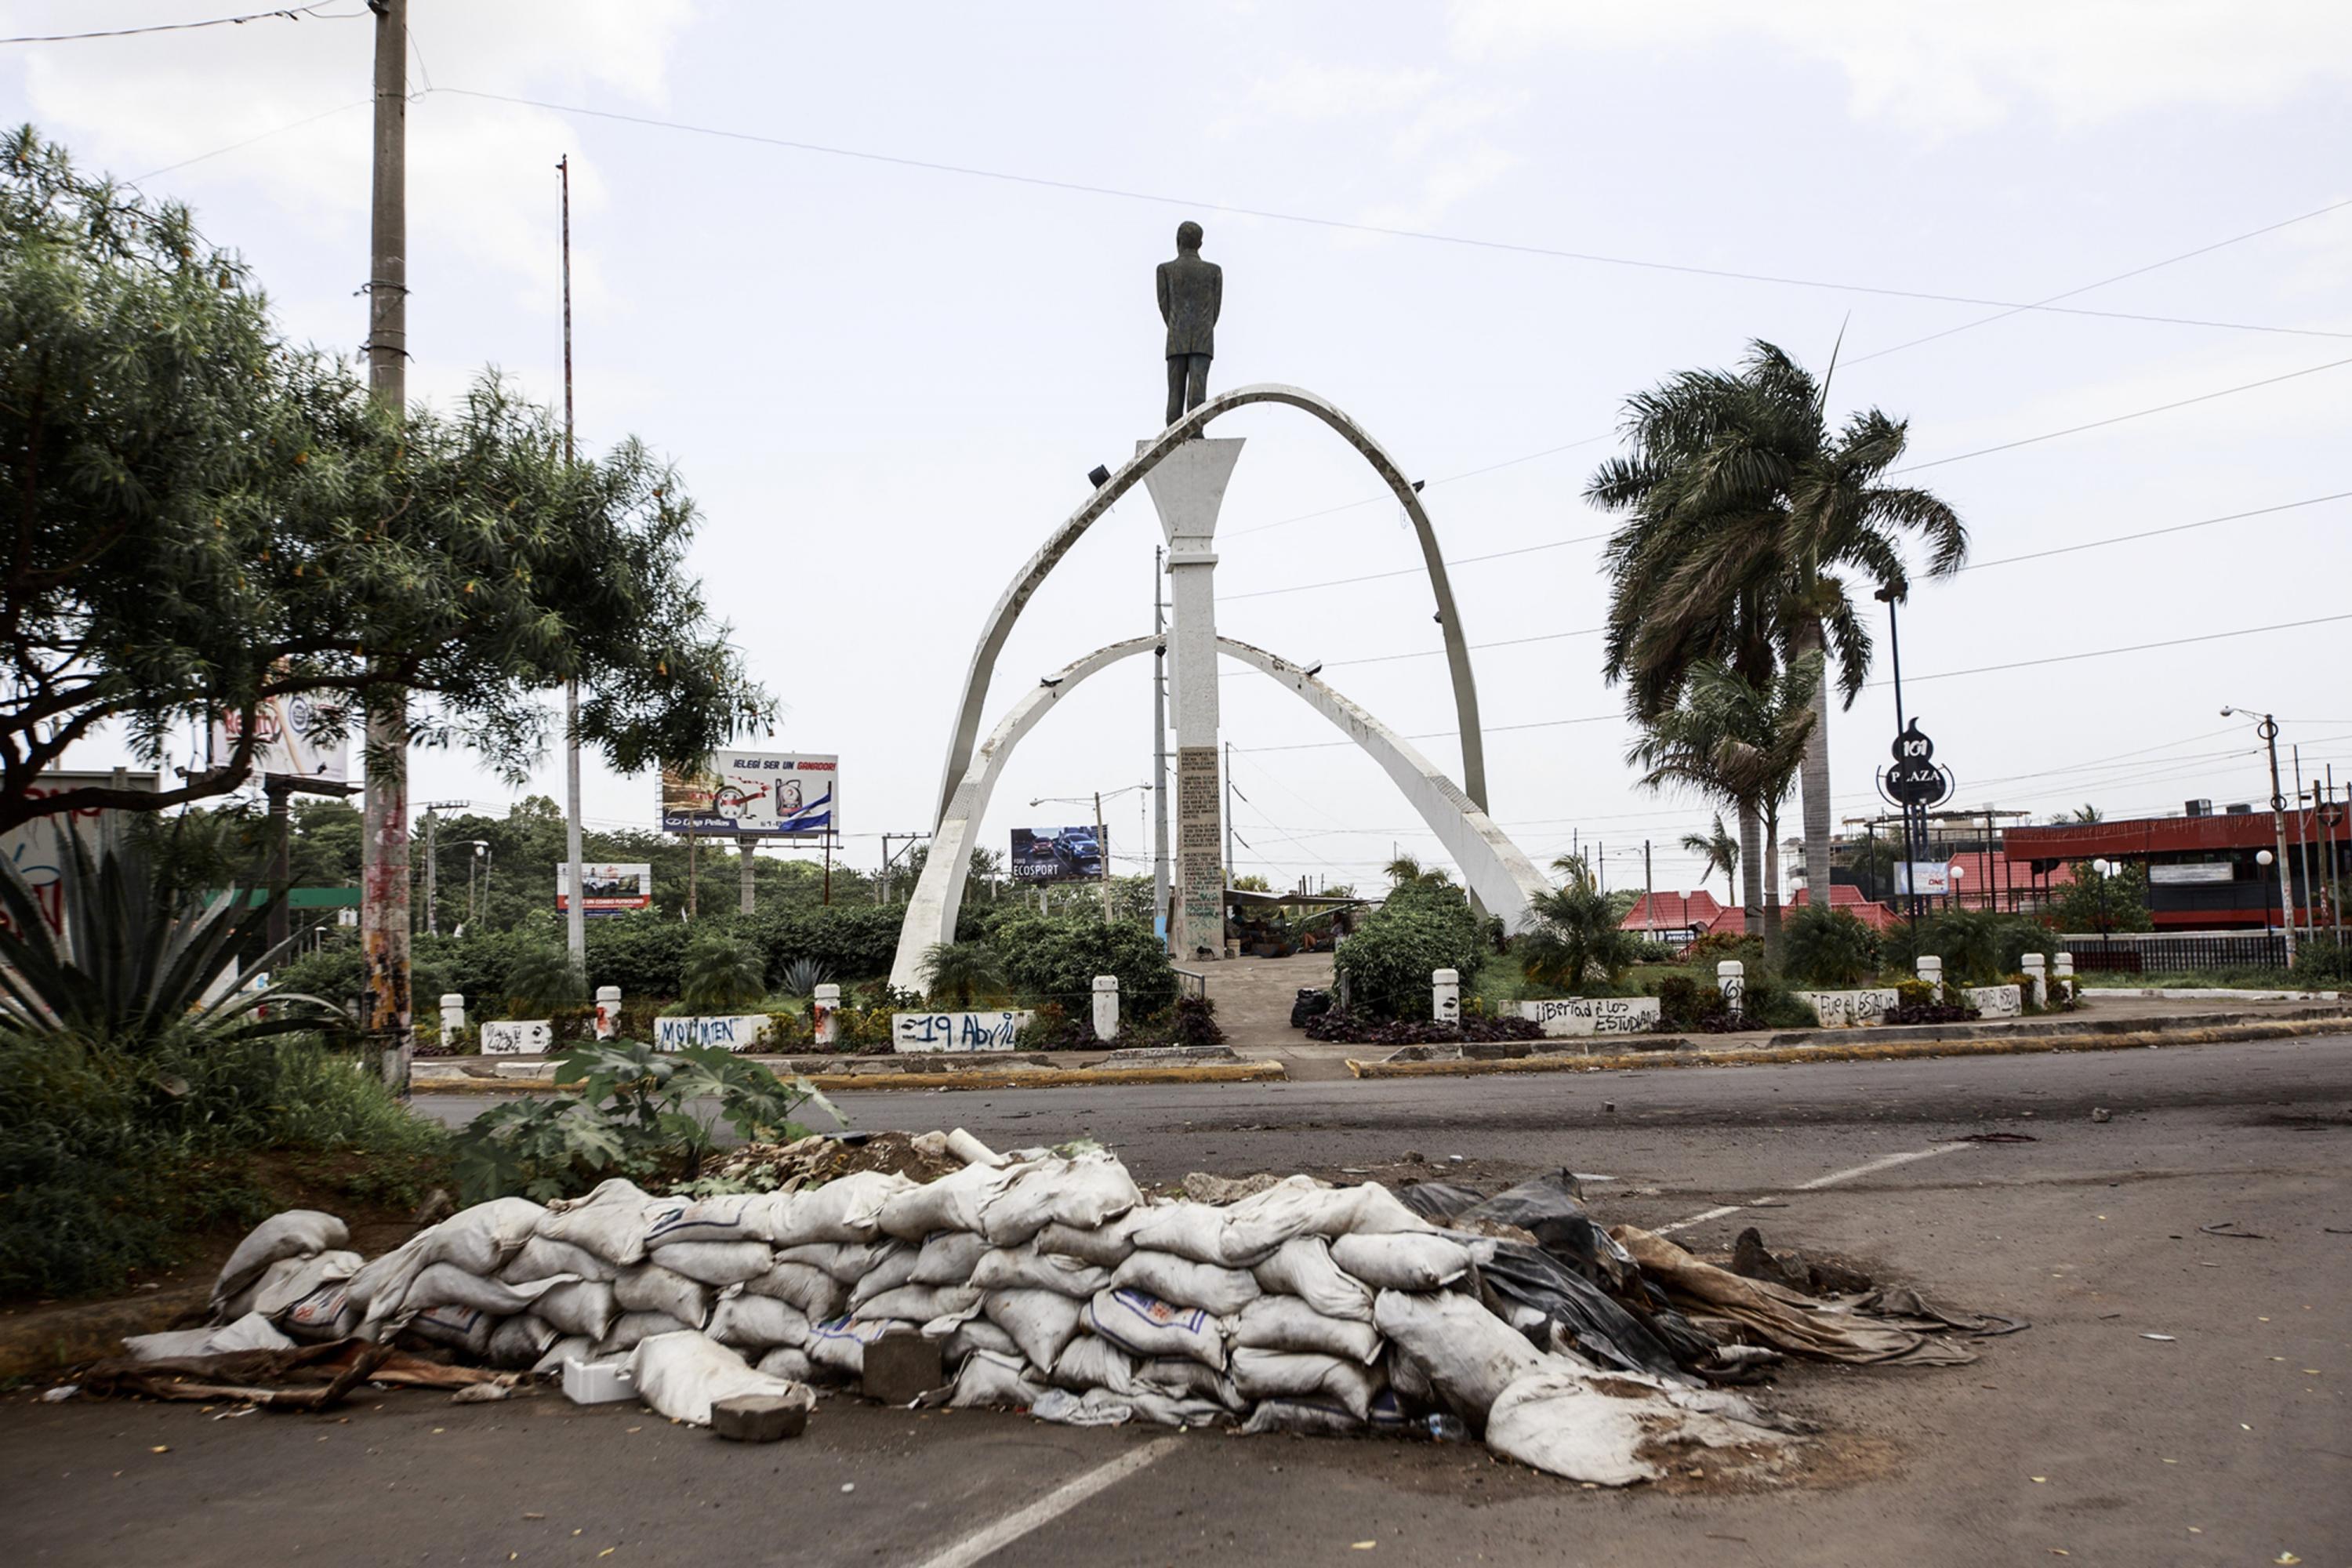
[{"x": 885, "y": 383}]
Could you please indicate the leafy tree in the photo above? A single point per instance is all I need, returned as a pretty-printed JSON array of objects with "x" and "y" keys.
[
  {"x": 2091, "y": 902},
  {"x": 1747, "y": 509},
  {"x": 1741, "y": 742},
  {"x": 211, "y": 520},
  {"x": 1406, "y": 871},
  {"x": 1720, "y": 852},
  {"x": 1420, "y": 927},
  {"x": 1253, "y": 883}
]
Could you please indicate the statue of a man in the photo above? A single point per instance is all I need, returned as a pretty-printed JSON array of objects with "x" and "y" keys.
[{"x": 1190, "y": 290}]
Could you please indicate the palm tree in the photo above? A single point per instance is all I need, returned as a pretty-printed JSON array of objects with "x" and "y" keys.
[
  {"x": 1720, "y": 852},
  {"x": 962, "y": 973},
  {"x": 1747, "y": 508},
  {"x": 1405, "y": 869},
  {"x": 1742, "y": 743}
]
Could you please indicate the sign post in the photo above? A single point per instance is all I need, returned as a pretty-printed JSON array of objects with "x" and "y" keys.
[{"x": 1915, "y": 782}]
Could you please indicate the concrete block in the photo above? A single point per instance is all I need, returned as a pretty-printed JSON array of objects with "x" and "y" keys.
[
  {"x": 898, "y": 1367},
  {"x": 758, "y": 1418}
]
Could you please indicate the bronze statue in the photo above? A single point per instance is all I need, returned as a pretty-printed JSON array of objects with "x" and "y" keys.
[{"x": 1190, "y": 290}]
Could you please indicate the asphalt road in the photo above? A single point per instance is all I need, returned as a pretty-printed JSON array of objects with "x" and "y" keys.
[{"x": 2230, "y": 1442}]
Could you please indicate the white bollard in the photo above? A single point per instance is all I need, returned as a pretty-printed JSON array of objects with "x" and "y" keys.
[
  {"x": 2063, "y": 971},
  {"x": 453, "y": 1018},
  {"x": 1731, "y": 979},
  {"x": 1445, "y": 995},
  {"x": 608, "y": 1011},
  {"x": 1107, "y": 1007},
  {"x": 2036, "y": 981},
  {"x": 1931, "y": 973},
  {"x": 825, "y": 1004}
]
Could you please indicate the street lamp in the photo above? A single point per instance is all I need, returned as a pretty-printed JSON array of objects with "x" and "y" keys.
[
  {"x": 2104, "y": 869},
  {"x": 2268, "y": 730}
]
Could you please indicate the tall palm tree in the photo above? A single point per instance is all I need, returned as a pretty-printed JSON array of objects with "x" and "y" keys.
[
  {"x": 1718, "y": 851},
  {"x": 1747, "y": 511},
  {"x": 1741, "y": 741}
]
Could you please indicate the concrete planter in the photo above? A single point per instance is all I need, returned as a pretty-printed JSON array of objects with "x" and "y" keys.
[
  {"x": 1996, "y": 1001},
  {"x": 518, "y": 1038},
  {"x": 1851, "y": 1009},
  {"x": 928, "y": 1032},
  {"x": 1593, "y": 1015}
]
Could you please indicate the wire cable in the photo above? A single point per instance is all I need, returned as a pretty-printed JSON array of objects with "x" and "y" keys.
[
  {"x": 263, "y": 136},
  {"x": 2135, "y": 647},
  {"x": 1430, "y": 235},
  {"x": 290, "y": 13}
]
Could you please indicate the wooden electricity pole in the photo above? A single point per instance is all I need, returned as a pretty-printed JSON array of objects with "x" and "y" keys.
[{"x": 383, "y": 876}]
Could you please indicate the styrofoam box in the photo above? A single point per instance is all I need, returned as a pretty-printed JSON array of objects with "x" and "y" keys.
[{"x": 597, "y": 1382}]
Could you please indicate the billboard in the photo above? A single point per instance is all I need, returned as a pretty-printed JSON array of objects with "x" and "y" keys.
[
  {"x": 35, "y": 847},
  {"x": 296, "y": 736},
  {"x": 1928, "y": 879},
  {"x": 780, "y": 795},
  {"x": 610, "y": 889},
  {"x": 1056, "y": 854}
]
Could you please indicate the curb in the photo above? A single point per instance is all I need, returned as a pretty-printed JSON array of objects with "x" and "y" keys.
[
  {"x": 976, "y": 1077},
  {"x": 42, "y": 1339},
  {"x": 1892, "y": 1050}
]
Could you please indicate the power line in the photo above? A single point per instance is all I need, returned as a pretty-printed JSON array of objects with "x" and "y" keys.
[
  {"x": 2119, "y": 419},
  {"x": 293, "y": 14},
  {"x": 1430, "y": 235},
  {"x": 266, "y": 135},
  {"x": 2154, "y": 532},
  {"x": 1415, "y": 570},
  {"x": 2135, "y": 647},
  {"x": 1449, "y": 479}
]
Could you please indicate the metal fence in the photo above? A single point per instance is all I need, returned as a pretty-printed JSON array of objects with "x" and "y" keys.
[{"x": 2165, "y": 951}]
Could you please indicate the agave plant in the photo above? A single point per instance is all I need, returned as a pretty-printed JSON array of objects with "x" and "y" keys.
[
  {"x": 136, "y": 962},
  {"x": 803, "y": 975}
]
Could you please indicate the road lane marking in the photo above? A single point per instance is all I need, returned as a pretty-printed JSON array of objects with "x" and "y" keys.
[
  {"x": 983, "y": 1544},
  {"x": 1868, "y": 1168}
]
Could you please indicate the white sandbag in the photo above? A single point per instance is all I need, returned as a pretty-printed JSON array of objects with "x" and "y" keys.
[
  {"x": 811, "y": 1290},
  {"x": 848, "y": 1209},
  {"x": 1095, "y": 1407},
  {"x": 1143, "y": 1325},
  {"x": 272, "y": 1281},
  {"x": 296, "y": 1233},
  {"x": 543, "y": 1257},
  {"x": 571, "y": 1347},
  {"x": 655, "y": 1287},
  {"x": 1290, "y": 1374},
  {"x": 518, "y": 1341},
  {"x": 742, "y": 1319},
  {"x": 716, "y": 1262},
  {"x": 1307, "y": 1417},
  {"x": 1089, "y": 1363},
  {"x": 947, "y": 1257},
  {"x": 1040, "y": 1321},
  {"x": 481, "y": 1239},
  {"x": 989, "y": 1378},
  {"x": 463, "y": 1329},
  {"x": 682, "y": 1375},
  {"x": 1299, "y": 1205},
  {"x": 327, "y": 1313},
  {"x": 889, "y": 1270},
  {"x": 610, "y": 1222},
  {"x": 1165, "y": 1410},
  {"x": 292, "y": 1279},
  {"x": 969, "y": 1337},
  {"x": 1187, "y": 1380},
  {"x": 1302, "y": 1266},
  {"x": 446, "y": 1285},
  {"x": 1084, "y": 1192},
  {"x": 847, "y": 1261},
  {"x": 583, "y": 1307},
  {"x": 631, "y": 1329},
  {"x": 1287, "y": 1323},
  {"x": 251, "y": 1332},
  {"x": 1465, "y": 1353},
  {"x": 1186, "y": 1228},
  {"x": 1105, "y": 1245},
  {"x": 1218, "y": 1292},
  {"x": 1028, "y": 1268},
  {"x": 1589, "y": 1426},
  {"x": 385, "y": 1278},
  {"x": 1401, "y": 1261},
  {"x": 921, "y": 1303},
  {"x": 788, "y": 1361},
  {"x": 839, "y": 1346},
  {"x": 950, "y": 1203},
  {"x": 713, "y": 1219}
]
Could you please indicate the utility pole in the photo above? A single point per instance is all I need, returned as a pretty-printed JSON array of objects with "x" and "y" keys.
[
  {"x": 433, "y": 865},
  {"x": 384, "y": 853},
  {"x": 828, "y": 868},
  {"x": 2302, "y": 838},
  {"x": 576, "y": 908},
  {"x": 691, "y": 839},
  {"x": 2268, "y": 731},
  {"x": 1160, "y": 913},
  {"x": 1649, "y": 893},
  {"x": 751, "y": 860},
  {"x": 1102, "y": 858}
]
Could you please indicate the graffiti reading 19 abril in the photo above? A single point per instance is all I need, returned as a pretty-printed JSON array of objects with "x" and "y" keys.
[{"x": 956, "y": 1031}]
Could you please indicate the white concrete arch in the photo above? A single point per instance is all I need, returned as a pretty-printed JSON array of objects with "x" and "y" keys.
[
  {"x": 1495, "y": 870},
  {"x": 1033, "y": 575}
]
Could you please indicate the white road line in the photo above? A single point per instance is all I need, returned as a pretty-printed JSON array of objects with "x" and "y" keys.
[
  {"x": 982, "y": 1543},
  {"x": 1868, "y": 1168}
]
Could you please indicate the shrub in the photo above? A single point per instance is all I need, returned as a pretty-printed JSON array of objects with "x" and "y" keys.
[
  {"x": 2323, "y": 962},
  {"x": 1423, "y": 926},
  {"x": 1686, "y": 1004},
  {"x": 1830, "y": 948},
  {"x": 542, "y": 980},
  {"x": 962, "y": 973},
  {"x": 1194, "y": 1023},
  {"x": 1054, "y": 958},
  {"x": 723, "y": 974},
  {"x": 1717, "y": 946},
  {"x": 1575, "y": 939}
]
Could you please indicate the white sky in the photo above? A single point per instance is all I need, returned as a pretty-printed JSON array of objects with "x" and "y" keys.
[{"x": 885, "y": 384}]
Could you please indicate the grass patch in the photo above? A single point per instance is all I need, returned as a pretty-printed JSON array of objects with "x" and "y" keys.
[{"x": 2199, "y": 979}]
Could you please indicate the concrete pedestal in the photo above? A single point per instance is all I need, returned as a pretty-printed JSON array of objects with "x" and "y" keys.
[{"x": 1188, "y": 488}]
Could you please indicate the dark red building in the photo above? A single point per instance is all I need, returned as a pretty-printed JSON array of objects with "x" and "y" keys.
[{"x": 2203, "y": 868}]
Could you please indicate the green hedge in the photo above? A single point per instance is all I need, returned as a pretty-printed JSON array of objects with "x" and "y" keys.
[
  {"x": 1421, "y": 928},
  {"x": 1054, "y": 958}
]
